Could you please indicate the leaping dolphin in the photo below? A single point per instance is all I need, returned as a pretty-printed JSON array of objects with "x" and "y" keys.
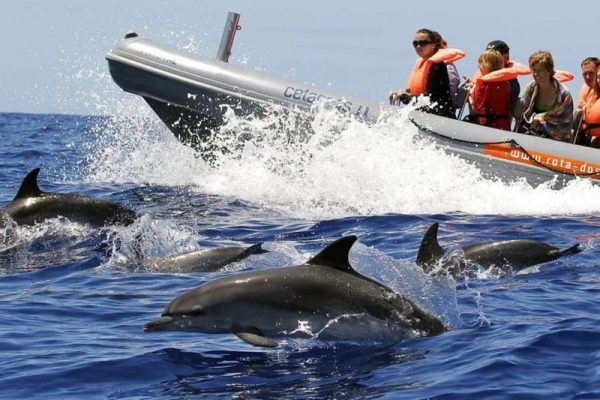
[
  {"x": 261, "y": 306},
  {"x": 205, "y": 260},
  {"x": 509, "y": 255},
  {"x": 31, "y": 205}
]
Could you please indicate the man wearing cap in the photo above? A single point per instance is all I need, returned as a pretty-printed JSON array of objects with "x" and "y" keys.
[{"x": 515, "y": 88}]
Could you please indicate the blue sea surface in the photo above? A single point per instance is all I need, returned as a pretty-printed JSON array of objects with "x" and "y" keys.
[{"x": 72, "y": 304}]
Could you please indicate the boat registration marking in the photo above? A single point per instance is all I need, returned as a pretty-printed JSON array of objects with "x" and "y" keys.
[{"x": 554, "y": 162}]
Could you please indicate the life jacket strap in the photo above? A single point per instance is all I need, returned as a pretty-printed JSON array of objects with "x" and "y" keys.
[
  {"x": 493, "y": 117},
  {"x": 592, "y": 126}
]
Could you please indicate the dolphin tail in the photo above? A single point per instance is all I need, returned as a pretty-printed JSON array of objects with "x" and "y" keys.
[
  {"x": 136, "y": 248},
  {"x": 430, "y": 250},
  {"x": 29, "y": 186},
  {"x": 569, "y": 251},
  {"x": 255, "y": 249}
]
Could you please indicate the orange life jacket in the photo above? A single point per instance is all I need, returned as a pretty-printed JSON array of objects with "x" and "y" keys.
[
  {"x": 503, "y": 74},
  {"x": 513, "y": 71},
  {"x": 563, "y": 76},
  {"x": 490, "y": 96},
  {"x": 591, "y": 117},
  {"x": 513, "y": 67},
  {"x": 419, "y": 76},
  {"x": 587, "y": 97},
  {"x": 518, "y": 67},
  {"x": 491, "y": 104}
]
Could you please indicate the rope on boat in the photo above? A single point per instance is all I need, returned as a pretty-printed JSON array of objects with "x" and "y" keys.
[{"x": 512, "y": 142}]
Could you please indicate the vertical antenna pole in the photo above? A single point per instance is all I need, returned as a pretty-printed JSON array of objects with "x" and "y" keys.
[{"x": 231, "y": 27}]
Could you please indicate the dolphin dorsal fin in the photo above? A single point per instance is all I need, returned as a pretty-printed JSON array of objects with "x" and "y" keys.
[
  {"x": 29, "y": 186},
  {"x": 430, "y": 250},
  {"x": 336, "y": 254}
]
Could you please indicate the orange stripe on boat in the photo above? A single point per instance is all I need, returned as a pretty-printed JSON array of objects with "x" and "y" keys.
[{"x": 553, "y": 162}]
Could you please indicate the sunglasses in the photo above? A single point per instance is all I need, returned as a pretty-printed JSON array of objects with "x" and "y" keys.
[{"x": 421, "y": 43}]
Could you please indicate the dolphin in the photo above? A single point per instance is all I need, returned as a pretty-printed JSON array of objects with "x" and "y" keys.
[
  {"x": 206, "y": 260},
  {"x": 261, "y": 306},
  {"x": 508, "y": 255},
  {"x": 31, "y": 205}
]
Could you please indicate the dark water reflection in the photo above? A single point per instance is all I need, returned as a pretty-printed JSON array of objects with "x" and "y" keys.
[{"x": 328, "y": 372}]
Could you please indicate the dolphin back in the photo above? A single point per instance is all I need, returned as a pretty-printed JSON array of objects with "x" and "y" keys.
[
  {"x": 31, "y": 205},
  {"x": 205, "y": 260},
  {"x": 259, "y": 306},
  {"x": 517, "y": 254},
  {"x": 212, "y": 260}
]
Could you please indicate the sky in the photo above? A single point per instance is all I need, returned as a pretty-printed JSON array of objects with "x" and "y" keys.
[{"x": 52, "y": 52}]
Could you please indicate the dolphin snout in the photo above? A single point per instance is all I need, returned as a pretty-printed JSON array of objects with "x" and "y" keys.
[{"x": 160, "y": 324}]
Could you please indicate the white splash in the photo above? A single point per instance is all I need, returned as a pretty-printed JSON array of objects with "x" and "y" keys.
[{"x": 344, "y": 168}]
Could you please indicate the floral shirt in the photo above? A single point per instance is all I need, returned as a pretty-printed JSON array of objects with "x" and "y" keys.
[{"x": 557, "y": 122}]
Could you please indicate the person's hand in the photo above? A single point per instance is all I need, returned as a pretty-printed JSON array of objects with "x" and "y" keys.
[
  {"x": 400, "y": 96},
  {"x": 395, "y": 96},
  {"x": 467, "y": 84},
  {"x": 405, "y": 98}
]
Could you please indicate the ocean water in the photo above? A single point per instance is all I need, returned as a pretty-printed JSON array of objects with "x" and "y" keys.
[{"x": 73, "y": 304}]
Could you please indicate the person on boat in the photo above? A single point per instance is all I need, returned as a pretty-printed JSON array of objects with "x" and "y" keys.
[
  {"x": 490, "y": 96},
  {"x": 547, "y": 104},
  {"x": 587, "y": 95},
  {"x": 430, "y": 76},
  {"x": 591, "y": 115},
  {"x": 515, "y": 87}
]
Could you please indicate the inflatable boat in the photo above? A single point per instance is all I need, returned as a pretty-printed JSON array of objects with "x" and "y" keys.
[{"x": 190, "y": 94}]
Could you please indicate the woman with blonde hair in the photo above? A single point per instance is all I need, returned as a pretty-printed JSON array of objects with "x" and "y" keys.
[{"x": 547, "y": 103}]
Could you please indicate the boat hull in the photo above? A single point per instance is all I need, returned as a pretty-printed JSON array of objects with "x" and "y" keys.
[
  {"x": 191, "y": 95},
  {"x": 511, "y": 156}
]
